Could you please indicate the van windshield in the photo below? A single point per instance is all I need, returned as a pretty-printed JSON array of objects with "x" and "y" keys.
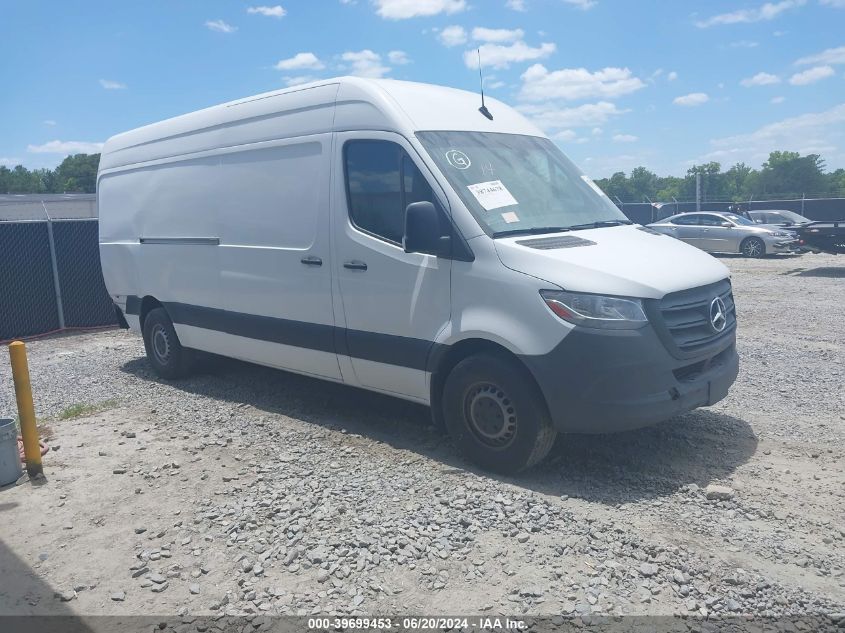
[{"x": 516, "y": 184}]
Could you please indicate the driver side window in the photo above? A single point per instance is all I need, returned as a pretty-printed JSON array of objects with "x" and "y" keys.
[
  {"x": 381, "y": 181},
  {"x": 687, "y": 220}
]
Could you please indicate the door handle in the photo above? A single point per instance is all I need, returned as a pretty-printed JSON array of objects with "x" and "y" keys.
[
  {"x": 355, "y": 265},
  {"x": 312, "y": 261}
]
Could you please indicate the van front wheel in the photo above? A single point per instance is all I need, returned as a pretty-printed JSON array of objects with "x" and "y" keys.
[
  {"x": 164, "y": 351},
  {"x": 496, "y": 414}
]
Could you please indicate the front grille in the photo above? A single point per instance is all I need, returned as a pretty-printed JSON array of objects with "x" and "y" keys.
[{"x": 685, "y": 317}]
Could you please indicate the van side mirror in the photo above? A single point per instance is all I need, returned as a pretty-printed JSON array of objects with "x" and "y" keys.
[{"x": 422, "y": 229}]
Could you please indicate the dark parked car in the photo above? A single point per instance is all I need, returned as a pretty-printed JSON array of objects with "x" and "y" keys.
[{"x": 828, "y": 237}]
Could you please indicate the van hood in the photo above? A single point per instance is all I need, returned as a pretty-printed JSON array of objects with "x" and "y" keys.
[{"x": 627, "y": 261}]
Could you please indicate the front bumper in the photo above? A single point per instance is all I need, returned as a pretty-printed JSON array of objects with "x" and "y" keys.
[
  {"x": 601, "y": 381},
  {"x": 783, "y": 245}
]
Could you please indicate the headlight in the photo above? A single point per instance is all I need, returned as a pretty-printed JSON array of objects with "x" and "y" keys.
[{"x": 596, "y": 310}]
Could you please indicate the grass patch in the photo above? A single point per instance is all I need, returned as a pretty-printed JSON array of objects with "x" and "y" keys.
[{"x": 84, "y": 408}]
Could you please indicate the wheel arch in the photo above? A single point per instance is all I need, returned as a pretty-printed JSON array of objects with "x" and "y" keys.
[
  {"x": 448, "y": 356},
  {"x": 148, "y": 304}
]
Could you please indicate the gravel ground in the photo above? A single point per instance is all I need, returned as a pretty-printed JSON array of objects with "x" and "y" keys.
[{"x": 249, "y": 490}]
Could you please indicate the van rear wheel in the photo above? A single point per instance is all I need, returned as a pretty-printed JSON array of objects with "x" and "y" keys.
[
  {"x": 496, "y": 414},
  {"x": 164, "y": 351}
]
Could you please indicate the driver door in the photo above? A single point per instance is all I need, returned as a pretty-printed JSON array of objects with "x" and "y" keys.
[
  {"x": 394, "y": 304},
  {"x": 716, "y": 238}
]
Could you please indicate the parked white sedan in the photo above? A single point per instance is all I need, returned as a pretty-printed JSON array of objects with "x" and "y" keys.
[{"x": 727, "y": 233}]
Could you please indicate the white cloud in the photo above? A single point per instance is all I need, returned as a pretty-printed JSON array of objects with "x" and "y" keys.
[
  {"x": 582, "y": 4},
  {"x": 300, "y": 61},
  {"x": 538, "y": 84},
  {"x": 399, "y": 58},
  {"x": 453, "y": 36},
  {"x": 365, "y": 63},
  {"x": 112, "y": 85},
  {"x": 497, "y": 35},
  {"x": 9, "y": 161},
  {"x": 220, "y": 26},
  {"x": 760, "y": 79},
  {"x": 767, "y": 11},
  {"x": 625, "y": 138},
  {"x": 502, "y": 56},
  {"x": 565, "y": 135},
  {"x": 597, "y": 131},
  {"x": 828, "y": 56},
  {"x": 814, "y": 132},
  {"x": 49, "y": 122},
  {"x": 550, "y": 116},
  {"x": 692, "y": 99},
  {"x": 811, "y": 75},
  {"x": 299, "y": 80},
  {"x": 777, "y": 100},
  {"x": 672, "y": 76},
  {"x": 516, "y": 5},
  {"x": 271, "y": 12},
  {"x": 65, "y": 147},
  {"x": 744, "y": 44},
  {"x": 404, "y": 9}
]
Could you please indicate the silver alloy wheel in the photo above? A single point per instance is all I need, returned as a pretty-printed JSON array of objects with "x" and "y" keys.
[
  {"x": 160, "y": 344},
  {"x": 491, "y": 415},
  {"x": 753, "y": 248}
]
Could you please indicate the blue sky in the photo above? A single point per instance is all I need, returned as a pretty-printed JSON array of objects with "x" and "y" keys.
[{"x": 617, "y": 83}]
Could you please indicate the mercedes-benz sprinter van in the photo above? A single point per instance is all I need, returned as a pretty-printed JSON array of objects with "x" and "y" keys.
[{"x": 390, "y": 236}]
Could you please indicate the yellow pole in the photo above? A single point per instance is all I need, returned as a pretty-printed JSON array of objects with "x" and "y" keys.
[{"x": 26, "y": 410}]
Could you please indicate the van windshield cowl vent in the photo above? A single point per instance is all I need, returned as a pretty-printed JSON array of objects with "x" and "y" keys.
[{"x": 561, "y": 241}]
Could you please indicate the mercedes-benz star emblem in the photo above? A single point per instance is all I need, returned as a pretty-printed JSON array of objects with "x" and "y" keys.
[{"x": 718, "y": 315}]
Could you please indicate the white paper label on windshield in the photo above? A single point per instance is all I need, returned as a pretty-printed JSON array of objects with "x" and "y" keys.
[
  {"x": 510, "y": 217},
  {"x": 492, "y": 195},
  {"x": 593, "y": 185}
]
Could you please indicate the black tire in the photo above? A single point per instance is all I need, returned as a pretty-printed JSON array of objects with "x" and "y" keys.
[
  {"x": 164, "y": 351},
  {"x": 497, "y": 416},
  {"x": 753, "y": 247}
]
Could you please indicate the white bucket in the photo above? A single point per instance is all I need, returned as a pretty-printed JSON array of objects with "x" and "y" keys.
[{"x": 10, "y": 458}]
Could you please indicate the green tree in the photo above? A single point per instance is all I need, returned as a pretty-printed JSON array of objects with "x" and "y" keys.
[
  {"x": 643, "y": 184},
  {"x": 789, "y": 173},
  {"x": 78, "y": 173},
  {"x": 734, "y": 180},
  {"x": 712, "y": 182}
]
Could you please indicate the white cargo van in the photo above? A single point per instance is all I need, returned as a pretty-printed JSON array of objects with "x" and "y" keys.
[{"x": 390, "y": 236}]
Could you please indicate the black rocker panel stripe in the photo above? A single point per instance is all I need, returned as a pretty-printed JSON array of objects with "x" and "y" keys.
[{"x": 402, "y": 351}]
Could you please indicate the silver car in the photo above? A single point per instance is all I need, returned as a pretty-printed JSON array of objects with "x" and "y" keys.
[{"x": 727, "y": 233}]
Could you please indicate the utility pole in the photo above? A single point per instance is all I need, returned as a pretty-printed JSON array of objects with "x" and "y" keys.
[{"x": 698, "y": 191}]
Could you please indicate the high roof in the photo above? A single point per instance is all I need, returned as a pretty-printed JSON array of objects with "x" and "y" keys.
[{"x": 378, "y": 104}]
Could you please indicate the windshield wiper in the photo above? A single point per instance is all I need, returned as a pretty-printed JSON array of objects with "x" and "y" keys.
[
  {"x": 532, "y": 231},
  {"x": 599, "y": 225}
]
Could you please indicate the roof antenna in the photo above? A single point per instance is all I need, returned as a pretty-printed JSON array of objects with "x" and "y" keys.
[{"x": 483, "y": 109}]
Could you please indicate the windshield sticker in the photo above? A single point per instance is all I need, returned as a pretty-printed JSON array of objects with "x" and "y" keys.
[
  {"x": 593, "y": 185},
  {"x": 458, "y": 159},
  {"x": 492, "y": 195},
  {"x": 510, "y": 217}
]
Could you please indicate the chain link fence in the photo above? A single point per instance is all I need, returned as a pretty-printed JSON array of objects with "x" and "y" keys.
[{"x": 50, "y": 277}]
